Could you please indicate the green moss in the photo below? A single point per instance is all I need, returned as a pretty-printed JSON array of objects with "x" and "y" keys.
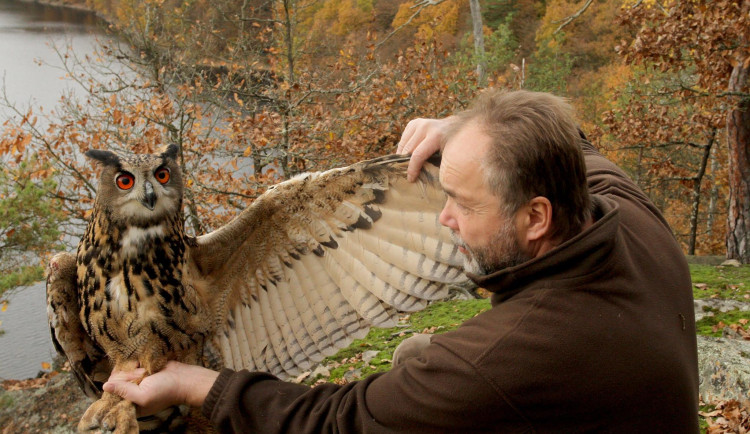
[
  {"x": 721, "y": 282},
  {"x": 448, "y": 315},
  {"x": 703, "y": 424},
  {"x": 5, "y": 400},
  {"x": 706, "y": 325}
]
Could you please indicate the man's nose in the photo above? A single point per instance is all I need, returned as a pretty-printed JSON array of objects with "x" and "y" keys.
[{"x": 446, "y": 217}]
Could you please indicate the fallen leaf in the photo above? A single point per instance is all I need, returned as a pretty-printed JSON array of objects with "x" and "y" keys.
[
  {"x": 719, "y": 326},
  {"x": 301, "y": 377}
]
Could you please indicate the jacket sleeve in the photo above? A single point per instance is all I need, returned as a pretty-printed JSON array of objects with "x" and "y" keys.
[{"x": 436, "y": 392}]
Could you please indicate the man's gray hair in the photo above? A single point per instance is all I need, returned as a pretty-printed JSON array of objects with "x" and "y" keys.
[{"x": 535, "y": 151}]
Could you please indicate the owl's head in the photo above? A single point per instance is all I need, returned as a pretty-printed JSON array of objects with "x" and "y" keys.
[{"x": 139, "y": 189}]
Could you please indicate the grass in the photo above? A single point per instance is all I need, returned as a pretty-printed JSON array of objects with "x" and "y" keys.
[
  {"x": 713, "y": 325},
  {"x": 731, "y": 283}
]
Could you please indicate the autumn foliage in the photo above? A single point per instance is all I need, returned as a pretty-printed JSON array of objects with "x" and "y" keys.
[
  {"x": 256, "y": 92},
  {"x": 670, "y": 120},
  {"x": 237, "y": 136}
]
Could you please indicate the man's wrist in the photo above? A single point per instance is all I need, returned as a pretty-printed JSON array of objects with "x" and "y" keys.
[{"x": 196, "y": 382}]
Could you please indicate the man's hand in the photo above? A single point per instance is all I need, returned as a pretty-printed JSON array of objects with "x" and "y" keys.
[
  {"x": 422, "y": 138},
  {"x": 176, "y": 384}
]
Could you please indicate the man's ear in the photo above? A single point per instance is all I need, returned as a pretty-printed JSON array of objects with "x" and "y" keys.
[{"x": 536, "y": 219}]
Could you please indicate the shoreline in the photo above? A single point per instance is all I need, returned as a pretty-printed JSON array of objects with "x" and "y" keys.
[{"x": 80, "y": 6}]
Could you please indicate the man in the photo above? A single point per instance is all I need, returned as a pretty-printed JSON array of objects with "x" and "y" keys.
[{"x": 592, "y": 323}]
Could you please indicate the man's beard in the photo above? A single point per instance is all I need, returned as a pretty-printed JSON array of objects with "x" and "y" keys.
[{"x": 500, "y": 252}]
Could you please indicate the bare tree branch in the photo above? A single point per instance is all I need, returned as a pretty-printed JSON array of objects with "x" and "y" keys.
[
  {"x": 571, "y": 18},
  {"x": 420, "y": 4}
]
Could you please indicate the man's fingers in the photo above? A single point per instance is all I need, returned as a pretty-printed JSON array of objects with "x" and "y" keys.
[
  {"x": 421, "y": 138},
  {"x": 133, "y": 375},
  {"x": 406, "y": 137},
  {"x": 418, "y": 157}
]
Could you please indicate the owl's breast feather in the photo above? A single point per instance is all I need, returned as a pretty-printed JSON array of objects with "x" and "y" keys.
[{"x": 135, "y": 238}]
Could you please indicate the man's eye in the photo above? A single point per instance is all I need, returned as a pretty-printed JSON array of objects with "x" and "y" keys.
[{"x": 463, "y": 208}]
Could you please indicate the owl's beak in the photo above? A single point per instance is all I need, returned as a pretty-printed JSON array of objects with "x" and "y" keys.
[{"x": 149, "y": 197}]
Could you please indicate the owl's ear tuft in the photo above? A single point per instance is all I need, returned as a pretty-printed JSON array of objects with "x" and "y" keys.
[
  {"x": 105, "y": 157},
  {"x": 171, "y": 152}
]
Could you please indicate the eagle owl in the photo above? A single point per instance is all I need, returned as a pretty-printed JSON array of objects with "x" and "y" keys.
[{"x": 309, "y": 266}]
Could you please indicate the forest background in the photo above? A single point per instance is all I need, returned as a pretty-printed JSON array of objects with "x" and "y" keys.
[{"x": 256, "y": 91}]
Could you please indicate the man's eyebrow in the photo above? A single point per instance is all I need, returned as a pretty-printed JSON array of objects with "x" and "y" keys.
[{"x": 449, "y": 192}]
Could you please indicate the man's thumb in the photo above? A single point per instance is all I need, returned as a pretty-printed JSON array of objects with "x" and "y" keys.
[{"x": 120, "y": 388}]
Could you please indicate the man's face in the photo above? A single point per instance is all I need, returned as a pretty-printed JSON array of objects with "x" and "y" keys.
[{"x": 485, "y": 235}]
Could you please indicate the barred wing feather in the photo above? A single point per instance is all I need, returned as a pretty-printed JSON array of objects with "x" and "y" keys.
[{"x": 317, "y": 260}]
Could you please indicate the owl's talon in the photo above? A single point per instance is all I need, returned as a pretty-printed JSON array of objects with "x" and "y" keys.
[
  {"x": 91, "y": 419},
  {"x": 110, "y": 413},
  {"x": 121, "y": 419}
]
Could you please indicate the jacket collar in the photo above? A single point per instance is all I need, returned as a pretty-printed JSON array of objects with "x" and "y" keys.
[{"x": 574, "y": 258}]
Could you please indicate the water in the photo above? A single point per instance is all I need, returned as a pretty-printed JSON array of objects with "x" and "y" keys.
[
  {"x": 27, "y": 33},
  {"x": 26, "y": 343}
]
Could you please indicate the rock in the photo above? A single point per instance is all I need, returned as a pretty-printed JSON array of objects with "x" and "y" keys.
[
  {"x": 55, "y": 407},
  {"x": 724, "y": 369},
  {"x": 352, "y": 375},
  {"x": 731, "y": 263},
  {"x": 367, "y": 356},
  {"x": 321, "y": 371},
  {"x": 705, "y": 260},
  {"x": 703, "y": 306}
]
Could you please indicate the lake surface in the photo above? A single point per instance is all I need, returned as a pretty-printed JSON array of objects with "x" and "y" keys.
[{"x": 28, "y": 32}]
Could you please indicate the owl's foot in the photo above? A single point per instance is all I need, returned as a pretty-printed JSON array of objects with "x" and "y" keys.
[{"x": 110, "y": 413}]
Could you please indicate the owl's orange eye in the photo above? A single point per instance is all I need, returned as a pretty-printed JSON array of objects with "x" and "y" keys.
[
  {"x": 125, "y": 181},
  {"x": 162, "y": 175}
]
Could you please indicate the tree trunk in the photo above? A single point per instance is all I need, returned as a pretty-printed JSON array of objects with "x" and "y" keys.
[
  {"x": 697, "y": 182},
  {"x": 714, "y": 197},
  {"x": 286, "y": 109},
  {"x": 738, "y": 139},
  {"x": 478, "y": 27}
]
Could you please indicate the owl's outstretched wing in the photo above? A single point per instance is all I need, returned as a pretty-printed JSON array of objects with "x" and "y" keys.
[
  {"x": 317, "y": 260},
  {"x": 87, "y": 361}
]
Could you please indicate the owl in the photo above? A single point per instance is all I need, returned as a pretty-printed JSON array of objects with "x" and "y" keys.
[{"x": 305, "y": 269}]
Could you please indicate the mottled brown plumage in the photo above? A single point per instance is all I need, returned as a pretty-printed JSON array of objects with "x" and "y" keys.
[{"x": 303, "y": 271}]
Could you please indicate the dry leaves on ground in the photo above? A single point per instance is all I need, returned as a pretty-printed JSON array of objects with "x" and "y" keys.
[
  {"x": 30, "y": 383},
  {"x": 728, "y": 417}
]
